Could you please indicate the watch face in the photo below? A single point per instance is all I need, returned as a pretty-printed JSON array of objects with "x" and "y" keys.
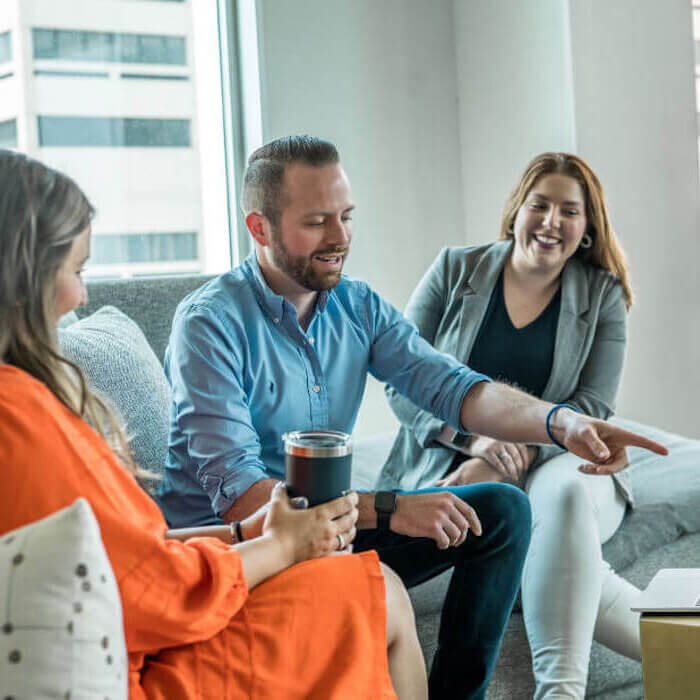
[
  {"x": 459, "y": 440},
  {"x": 385, "y": 501}
]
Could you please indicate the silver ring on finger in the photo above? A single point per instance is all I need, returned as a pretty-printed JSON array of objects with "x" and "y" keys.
[
  {"x": 503, "y": 455},
  {"x": 341, "y": 541}
]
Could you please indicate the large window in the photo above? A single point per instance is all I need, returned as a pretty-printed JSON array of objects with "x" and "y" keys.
[
  {"x": 5, "y": 47},
  {"x": 108, "y": 47},
  {"x": 8, "y": 133},
  {"x": 115, "y": 132},
  {"x": 139, "y": 102}
]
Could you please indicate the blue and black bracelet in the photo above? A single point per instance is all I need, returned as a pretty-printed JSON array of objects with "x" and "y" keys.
[{"x": 550, "y": 434}]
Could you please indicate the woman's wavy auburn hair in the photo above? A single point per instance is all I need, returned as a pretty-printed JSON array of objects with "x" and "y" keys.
[
  {"x": 42, "y": 211},
  {"x": 606, "y": 251}
]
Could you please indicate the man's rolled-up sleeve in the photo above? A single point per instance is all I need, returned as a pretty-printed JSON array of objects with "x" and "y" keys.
[
  {"x": 205, "y": 367},
  {"x": 434, "y": 381}
]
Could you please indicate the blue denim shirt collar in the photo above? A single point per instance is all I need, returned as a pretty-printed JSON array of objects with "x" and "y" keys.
[{"x": 274, "y": 304}]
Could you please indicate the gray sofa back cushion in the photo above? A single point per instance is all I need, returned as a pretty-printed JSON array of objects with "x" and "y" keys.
[
  {"x": 150, "y": 302},
  {"x": 118, "y": 362}
]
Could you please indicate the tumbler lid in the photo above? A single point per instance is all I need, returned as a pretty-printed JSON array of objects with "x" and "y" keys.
[{"x": 317, "y": 443}]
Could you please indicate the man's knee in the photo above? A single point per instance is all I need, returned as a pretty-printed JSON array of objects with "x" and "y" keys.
[{"x": 506, "y": 503}]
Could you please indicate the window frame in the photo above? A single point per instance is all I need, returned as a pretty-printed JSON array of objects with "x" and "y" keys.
[{"x": 234, "y": 135}]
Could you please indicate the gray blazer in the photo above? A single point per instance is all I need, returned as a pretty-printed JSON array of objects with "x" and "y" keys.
[{"x": 448, "y": 307}]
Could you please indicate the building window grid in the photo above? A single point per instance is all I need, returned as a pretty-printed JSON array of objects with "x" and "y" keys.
[
  {"x": 109, "y": 249},
  {"x": 70, "y": 73},
  {"x": 130, "y": 248},
  {"x": 5, "y": 47},
  {"x": 8, "y": 133},
  {"x": 162, "y": 252},
  {"x": 108, "y": 47},
  {"x": 118, "y": 132},
  {"x": 153, "y": 76},
  {"x": 51, "y": 73}
]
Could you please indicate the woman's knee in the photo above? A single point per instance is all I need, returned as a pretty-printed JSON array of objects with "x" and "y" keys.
[
  {"x": 399, "y": 610},
  {"x": 565, "y": 500},
  {"x": 560, "y": 493}
]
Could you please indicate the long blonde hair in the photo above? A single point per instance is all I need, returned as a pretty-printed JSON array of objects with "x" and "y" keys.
[
  {"x": 42, "y": 211},
  {"x": 606, "y": 251}
]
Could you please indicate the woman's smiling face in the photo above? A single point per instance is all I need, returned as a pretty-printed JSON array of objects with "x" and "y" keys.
[{"x": 550, "y": 224}]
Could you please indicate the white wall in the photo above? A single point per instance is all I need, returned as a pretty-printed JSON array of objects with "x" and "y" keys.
[
  {"x": 614, "y": 82},
  {"x": 437, "y": 106},
  {"x": 515, "y": 99},
  {"x": 635, "y": 111},
  {"x": 379, "y": 80}
]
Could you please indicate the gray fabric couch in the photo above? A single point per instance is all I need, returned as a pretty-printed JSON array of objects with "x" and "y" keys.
[{"x": 663, "y": 531}]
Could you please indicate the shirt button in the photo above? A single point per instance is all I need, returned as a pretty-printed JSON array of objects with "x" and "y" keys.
[
  {"x": 276, "y": 320},
  {"x": 316, "y": 388},
  {"x": 311, "y": 340}
]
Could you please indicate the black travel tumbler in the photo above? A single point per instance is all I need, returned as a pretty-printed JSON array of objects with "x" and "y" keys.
[{"x": 317, "y": 464}]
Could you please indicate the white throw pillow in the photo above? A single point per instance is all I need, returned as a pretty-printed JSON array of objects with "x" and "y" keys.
[{"x": 61, "y": 629}]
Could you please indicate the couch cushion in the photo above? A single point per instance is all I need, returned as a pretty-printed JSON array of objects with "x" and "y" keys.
[
  {"x": 118, "y": 362},
  {"x": 67, "y": 319},
  {"x": 151, "y": 302},
  {"x": 666, "y": 492},
  {"x": 62, "y": 633}
]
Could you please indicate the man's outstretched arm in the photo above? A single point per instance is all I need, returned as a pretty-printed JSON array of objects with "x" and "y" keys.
[{"x": 504, "y": 413}]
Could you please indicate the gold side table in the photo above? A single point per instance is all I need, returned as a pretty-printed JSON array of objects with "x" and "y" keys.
[{"x": 670, "y": 656}]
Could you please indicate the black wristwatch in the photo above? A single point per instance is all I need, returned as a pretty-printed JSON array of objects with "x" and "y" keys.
[
  {"x": 459, "y": 440},
  {"x": 385, "y": 503}
]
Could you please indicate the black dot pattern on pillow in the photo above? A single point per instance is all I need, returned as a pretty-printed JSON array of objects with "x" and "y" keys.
[{"x": 61, "y": 631}]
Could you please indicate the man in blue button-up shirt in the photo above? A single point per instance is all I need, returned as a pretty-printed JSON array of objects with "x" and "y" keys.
[{"x": 284, "y": 342}]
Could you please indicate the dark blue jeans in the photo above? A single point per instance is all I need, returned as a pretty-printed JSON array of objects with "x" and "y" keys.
[{"x": 482, "y": 590}]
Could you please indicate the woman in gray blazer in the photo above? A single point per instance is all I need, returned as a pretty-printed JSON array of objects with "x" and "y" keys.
[{"x": 545, "y": 308}]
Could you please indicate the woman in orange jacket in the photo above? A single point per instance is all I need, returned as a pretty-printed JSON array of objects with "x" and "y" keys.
[{"x": 273, "y": 617}]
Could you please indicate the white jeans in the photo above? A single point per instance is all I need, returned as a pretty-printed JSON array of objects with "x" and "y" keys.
[{"x": 570, "y": 594}]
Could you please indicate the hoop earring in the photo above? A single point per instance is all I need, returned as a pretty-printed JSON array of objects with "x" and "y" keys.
[{"x": 586, "y": 241}]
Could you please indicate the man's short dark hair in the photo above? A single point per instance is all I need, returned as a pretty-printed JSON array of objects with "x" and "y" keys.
[{"x": 262, "y": 181}]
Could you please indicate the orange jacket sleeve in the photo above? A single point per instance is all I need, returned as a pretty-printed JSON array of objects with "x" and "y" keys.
[{"x": 172, "y": 593}]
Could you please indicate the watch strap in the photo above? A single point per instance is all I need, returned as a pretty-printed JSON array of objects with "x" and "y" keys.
[
  {"x": 383, "y": 520},
  {"x": 385, "y": 503}
]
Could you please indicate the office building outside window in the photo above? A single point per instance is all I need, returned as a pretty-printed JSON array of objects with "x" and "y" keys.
[
  {"x": 108, "y": 47},
  {"x": 5, "y": 47},
  {"x": 130, "y": 105},
  {"x": 8, "y": 134},
  {"x": 116, "y": 132}
]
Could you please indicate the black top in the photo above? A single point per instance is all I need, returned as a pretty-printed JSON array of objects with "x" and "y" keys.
[{"x": 518, "y": 356}]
